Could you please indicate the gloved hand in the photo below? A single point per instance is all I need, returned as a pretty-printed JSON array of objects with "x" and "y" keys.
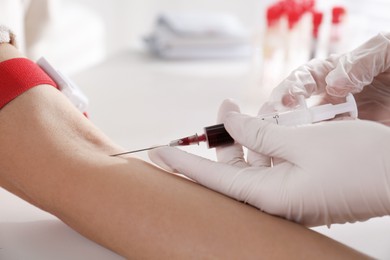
[
  {"x": 333, "y": 172},
  {"x": 364, "y": 71}
]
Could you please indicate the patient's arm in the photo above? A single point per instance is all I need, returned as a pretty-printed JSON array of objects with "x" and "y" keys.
[{"x": 55, "y": 158}]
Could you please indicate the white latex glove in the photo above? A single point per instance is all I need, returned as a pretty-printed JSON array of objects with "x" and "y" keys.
[
  {"x": 333, "y": 172},
  {"x": 365, "y": 70}
]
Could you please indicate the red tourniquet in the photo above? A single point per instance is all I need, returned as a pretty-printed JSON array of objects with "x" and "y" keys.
[{"x": 19, "y": 75}]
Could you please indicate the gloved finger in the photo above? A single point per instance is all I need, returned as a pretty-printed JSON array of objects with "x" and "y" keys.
[
  {"x": 216, "y": 176},
  {"x": 356, "y": 69},
  {"x": 261, "y": 136},
  {"x": 258, "y": 159},
  {"x": 255, "y": 158},
  {"x": 267, "y": 108},
  {"x": 264, "y": 188},
  {"x": 261, "y": 160},
  {"x": 374, "y": 101},
  {"x": 230, "y": 154},
  {"x": 272, "y": 191},
  {"x": 307, "y": 80}
]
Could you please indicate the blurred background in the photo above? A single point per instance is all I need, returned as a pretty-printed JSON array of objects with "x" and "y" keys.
[{"x": 93, "y": 30}]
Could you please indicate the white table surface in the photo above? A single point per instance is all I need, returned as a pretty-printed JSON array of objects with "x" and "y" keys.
[{"x": 140, "y": 101}]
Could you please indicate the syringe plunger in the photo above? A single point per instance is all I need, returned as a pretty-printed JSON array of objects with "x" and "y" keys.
[{"x": 215, "y": 135}]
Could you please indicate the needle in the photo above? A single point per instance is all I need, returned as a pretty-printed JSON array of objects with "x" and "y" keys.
[{"x": 140, "y": 150}]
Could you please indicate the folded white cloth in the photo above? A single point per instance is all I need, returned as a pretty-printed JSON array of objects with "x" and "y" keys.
[{"x": 199, "y": 35}]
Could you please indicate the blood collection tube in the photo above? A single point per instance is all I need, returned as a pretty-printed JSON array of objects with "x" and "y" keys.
[
  {"x": 336, "y": 29},
  {"x": 316, "y": 20}
]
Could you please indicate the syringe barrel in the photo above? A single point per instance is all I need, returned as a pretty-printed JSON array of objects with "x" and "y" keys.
[
  {"x": 217, "y": 136},
  {"x": 290, "y": 118}
]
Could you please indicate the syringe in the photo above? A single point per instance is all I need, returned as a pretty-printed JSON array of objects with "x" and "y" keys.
[{"x": 216, "y": 135}]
